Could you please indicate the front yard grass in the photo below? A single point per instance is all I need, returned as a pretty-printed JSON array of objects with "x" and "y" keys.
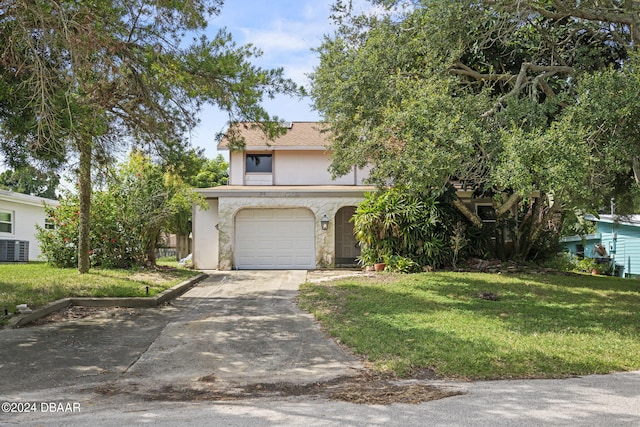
[
  {"x": 37, "y": 284},
  {"x": 484, "y": 326}
]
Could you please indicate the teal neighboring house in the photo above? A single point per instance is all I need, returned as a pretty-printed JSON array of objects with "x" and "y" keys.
[{"x": 617, "y": 238}]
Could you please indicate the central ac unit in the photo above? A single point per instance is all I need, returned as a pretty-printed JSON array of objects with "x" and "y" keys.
[{"x": 14, "y": 251}]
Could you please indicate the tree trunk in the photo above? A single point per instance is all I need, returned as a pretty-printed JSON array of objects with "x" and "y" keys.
[
  {"x": 84, "y": 186},
  {"x": 151, "y": 251}
]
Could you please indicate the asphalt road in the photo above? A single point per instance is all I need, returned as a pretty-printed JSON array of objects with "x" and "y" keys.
[{"x": 164, "y": 367}]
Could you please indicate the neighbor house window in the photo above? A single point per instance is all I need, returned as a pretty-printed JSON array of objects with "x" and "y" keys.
[
  {"x": 6, "y": 221},
  {"x": 259, "y": 163},
  {"x": 49, "y": 224}
]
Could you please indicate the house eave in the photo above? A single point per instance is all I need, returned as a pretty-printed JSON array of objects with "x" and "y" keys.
[
  {"x": 292, "y": 191},
  {"x": 576, "y": 238},
  {"x": 279, "y": 148},
  {"x": 632, "y": 220},
  {"x": 26, "y": 199}
]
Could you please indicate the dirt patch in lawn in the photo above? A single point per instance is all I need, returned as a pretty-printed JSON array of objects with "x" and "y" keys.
[
  {"x": 152, "y": 277},
  {"x": 366, "y": 388}
]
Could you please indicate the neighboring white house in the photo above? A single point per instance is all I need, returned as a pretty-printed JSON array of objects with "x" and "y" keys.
[
  {"x": 281, "y": 209},
  {"x": 19, "y": 215}
]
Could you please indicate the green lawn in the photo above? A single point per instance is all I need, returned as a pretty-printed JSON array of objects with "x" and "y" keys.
[
  {"x": 541, "y": 326},
  {"x": 37, "y": 283}
]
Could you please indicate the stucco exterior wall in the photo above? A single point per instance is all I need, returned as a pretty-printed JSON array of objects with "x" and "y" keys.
[
  {"x": 293, "y": 167},
  {"x": 315, "y": 165},
  {"x": 205, "y": 236},
  {"x": 325, "y": 239},
  {"x": 236, "y": 168},
  {"x": 25, "y": 218}
]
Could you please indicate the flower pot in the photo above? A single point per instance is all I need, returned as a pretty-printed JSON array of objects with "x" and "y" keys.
[
  {"x": 595, "y": 272},
  {"x": 379, "y": 266}
]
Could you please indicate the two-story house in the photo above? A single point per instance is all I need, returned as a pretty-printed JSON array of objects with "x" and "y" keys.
[{"x": 281, "y": 209}]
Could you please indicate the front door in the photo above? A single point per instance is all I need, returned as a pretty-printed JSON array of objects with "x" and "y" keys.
[{"x": 347, "y": 248}]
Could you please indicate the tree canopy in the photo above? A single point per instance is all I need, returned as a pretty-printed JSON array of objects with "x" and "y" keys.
[
  {"x": 78, "y": 80},
  {"x": 29, "y": 180},
  {"x": 510, "y": 99}
]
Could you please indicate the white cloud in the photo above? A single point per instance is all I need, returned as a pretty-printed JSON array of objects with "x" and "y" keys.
[{"x": 275, "y": 40}]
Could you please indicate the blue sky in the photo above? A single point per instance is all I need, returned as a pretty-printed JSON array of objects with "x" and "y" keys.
[{"x": 286, "y": 31}]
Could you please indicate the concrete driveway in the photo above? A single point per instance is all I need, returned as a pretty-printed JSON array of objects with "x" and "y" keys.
[
  {"x": 238, "y": 328},
  {"x": 233, "y": 328}
]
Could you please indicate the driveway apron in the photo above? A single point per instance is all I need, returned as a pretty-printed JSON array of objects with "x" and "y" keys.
[{"x": 242, "y": 327}]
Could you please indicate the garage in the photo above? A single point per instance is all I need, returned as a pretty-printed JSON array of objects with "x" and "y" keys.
[{"x": 274, "y": 239}]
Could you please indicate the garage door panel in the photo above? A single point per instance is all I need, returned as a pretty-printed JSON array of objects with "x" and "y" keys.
[{"x": 275, "y": 239}]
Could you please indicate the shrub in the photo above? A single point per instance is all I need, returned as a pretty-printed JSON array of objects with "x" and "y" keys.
[
  {"x": 400, "y": 264},
  {"x": 414, "y": 228},
  {"x": 111, "y": 240},
  {"x": 126, "y": 219}
]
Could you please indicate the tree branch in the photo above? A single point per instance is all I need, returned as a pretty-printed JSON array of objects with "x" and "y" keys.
[
  {"x": 471, "y": 216},
  {"x": 506, "y": 206}
]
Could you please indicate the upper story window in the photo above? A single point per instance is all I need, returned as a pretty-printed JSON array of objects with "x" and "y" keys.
[
  {"x": 6, "y": 221},
  {"x": 261, "y": 163}
]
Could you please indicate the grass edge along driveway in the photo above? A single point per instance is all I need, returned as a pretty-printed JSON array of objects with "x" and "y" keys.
[
  {"x": 37, "y": 284},
  {"x": 484, "y": 326}
]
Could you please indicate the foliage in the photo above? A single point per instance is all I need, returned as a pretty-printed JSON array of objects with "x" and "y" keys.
[
  {"x": 404, "y": 229},
  {"x": 400, "y": 264},
  {"x": 563, "y": 262},
  {"x": 585, "y": 265},
  {"x": 37, "y": 284},
  {"x": 588, "y": 265},
  {"x": 127, "y": 218},
  {"x": 29, "y": 180},
  {"x": 540, "y": 326},
  {"x": 513, "y": 103},
  {"x": 80, "y": 80},
  {"x": 113, "y": 242},
  {"x": 212, "y": 172},
  {"x": 195, "y": 170}
]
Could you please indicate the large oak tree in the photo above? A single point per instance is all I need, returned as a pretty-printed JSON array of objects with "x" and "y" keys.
[
  {"x": 79, "y": 79},
  {"x": 510, "y": 98}
]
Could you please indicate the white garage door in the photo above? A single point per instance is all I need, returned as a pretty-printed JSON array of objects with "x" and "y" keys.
[{"x": 273, "y": 239}]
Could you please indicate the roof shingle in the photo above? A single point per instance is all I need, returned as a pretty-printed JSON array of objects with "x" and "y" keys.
[{"x": 300, "y": 134}]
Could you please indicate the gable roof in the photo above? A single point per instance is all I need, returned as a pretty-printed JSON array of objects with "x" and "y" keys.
[{"x": 299, "y": 135}]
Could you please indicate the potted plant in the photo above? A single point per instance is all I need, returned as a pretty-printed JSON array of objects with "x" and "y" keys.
[
  {"x": 379, "y": 266},
  {"x": 372, "y": 257}
]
